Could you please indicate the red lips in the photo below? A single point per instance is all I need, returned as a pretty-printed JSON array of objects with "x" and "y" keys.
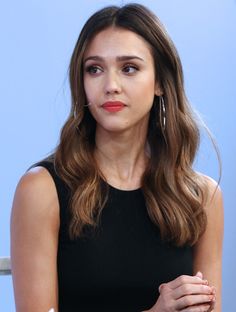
[{"x": 113, "y": 106}]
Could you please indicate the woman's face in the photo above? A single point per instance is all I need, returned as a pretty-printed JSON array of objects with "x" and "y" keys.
[{"x": 119, "y": 79}]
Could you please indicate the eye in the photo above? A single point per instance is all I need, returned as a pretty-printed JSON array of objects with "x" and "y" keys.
[
  {"x": 93, "y": 69},
  {"x": 130, "y": 69}
]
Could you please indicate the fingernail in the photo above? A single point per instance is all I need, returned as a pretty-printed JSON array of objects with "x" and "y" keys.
[{"x": 199, "y": 274}]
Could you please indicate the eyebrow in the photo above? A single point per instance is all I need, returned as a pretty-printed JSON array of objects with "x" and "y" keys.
[{"x": 118, "y": 58}]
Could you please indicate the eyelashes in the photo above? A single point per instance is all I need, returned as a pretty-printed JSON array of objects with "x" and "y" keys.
[
  {"x": 128, "y": 69},
  {"x": 93, "y": 69},
  {"x": 133, "y": 68}
]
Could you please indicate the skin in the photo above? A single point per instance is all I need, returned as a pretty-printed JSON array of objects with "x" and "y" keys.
[
  {"x": 120, "y": 137},
  {"x": 121, "y": 153},
  {"x": 34, "y": 240}
]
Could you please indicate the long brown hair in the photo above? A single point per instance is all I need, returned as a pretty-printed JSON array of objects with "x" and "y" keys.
[{"x": 173, "y": 192}]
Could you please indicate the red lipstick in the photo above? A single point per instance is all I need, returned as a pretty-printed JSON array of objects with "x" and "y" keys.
[{"x": 113, "y": 106}]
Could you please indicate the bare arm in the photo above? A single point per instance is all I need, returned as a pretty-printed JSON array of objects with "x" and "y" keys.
[
  {"x": 34, "y": 240},
  {"x": 208, "y": 250}
]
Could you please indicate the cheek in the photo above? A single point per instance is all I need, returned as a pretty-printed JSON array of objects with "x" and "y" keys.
[
  {"x": 145, "y": 84},
  {"x": 95, "y": 111},
  {"x": 86, "y": 90},
  {"x": 145, "y": 93},
  {"x": 91, "y": 91}
]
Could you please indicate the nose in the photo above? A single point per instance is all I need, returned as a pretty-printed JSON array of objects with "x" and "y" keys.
[{"x": 112, "y": 83}]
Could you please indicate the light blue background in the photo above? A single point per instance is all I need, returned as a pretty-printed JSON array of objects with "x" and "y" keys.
[{"x": 37, "y": 38}]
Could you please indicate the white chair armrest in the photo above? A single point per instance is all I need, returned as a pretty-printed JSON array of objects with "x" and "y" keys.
[{"x": 5, "y": 266}]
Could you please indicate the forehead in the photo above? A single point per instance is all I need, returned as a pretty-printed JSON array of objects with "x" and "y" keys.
[{"x": 118, "y": 41}]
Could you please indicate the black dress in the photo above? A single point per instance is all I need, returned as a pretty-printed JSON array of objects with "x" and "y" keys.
[{"x": 120, "y": 266}]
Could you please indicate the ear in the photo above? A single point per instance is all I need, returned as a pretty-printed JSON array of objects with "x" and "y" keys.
[{"x": 158, "y": 90}]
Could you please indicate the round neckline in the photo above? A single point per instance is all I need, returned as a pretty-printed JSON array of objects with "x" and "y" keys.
[
  {"x": 123, "y": 191},
  {"x": 113, "y": 188}
]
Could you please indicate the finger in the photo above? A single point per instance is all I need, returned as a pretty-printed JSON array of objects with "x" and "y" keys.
[
  {"x": 185, "y": 279},
  {"x": 212, "y": 305},
  {"x": 161, "y": 287},
  {"x": 199, "y": 274},
  {"x": 192, "y": 289},
  {"x": 198, "y": 308},
  {"x": 192, "y": 300}
]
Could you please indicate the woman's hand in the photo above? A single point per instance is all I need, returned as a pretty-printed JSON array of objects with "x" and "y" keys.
[{"x": 185, "y": 294}]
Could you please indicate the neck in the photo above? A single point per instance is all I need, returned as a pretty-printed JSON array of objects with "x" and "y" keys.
[{"x": 122, "y": 157}]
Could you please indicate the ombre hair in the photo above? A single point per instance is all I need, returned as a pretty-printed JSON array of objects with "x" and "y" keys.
[{"x": 174, "y": 193}]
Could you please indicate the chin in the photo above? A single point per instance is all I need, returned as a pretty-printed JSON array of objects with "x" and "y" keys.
[{"x": 115, "y": 128}]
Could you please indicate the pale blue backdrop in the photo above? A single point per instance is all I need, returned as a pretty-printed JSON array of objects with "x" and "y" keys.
[{"x": 36, "y": 40}]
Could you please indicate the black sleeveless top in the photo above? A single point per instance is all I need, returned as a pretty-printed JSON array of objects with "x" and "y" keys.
[{"x": 120, "y": 266}]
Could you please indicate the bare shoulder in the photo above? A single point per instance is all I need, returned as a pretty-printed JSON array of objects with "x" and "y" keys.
[
  {"x": 36, "y": 192},
  {"x": 213, "y": 193},
  {"x": 213, "y": 206},
  {"x": 36, "y": 179},
  {"x": 35, "y": 204}
]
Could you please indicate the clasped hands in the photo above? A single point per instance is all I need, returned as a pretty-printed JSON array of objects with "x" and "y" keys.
[{"x": 186, "y": 294}]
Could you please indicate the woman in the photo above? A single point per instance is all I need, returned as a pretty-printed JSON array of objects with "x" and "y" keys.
[{"x": 116, "y": 219}]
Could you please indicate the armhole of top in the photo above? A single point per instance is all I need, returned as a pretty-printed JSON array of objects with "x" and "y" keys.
[
  {"x": 50, "y": 168},
  {"x": 61, "y": 188}
]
